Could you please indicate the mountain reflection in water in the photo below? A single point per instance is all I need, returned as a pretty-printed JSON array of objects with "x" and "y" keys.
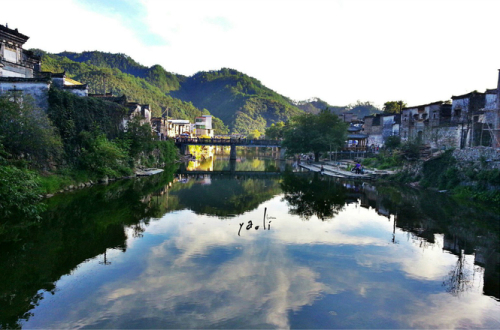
[{"x": 339, "y": 255}]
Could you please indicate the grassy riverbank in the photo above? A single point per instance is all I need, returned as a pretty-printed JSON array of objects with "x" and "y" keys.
[{"x": 72, "y": 177}]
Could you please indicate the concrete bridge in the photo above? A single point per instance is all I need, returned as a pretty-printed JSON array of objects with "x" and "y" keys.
[{"x": 182, "y": 143}]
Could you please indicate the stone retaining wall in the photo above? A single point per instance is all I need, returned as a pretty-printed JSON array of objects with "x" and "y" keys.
[{"x": 478, "y": 154}]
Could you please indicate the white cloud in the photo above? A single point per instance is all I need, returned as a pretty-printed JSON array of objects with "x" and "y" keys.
[{"x": 196, "y": 271}]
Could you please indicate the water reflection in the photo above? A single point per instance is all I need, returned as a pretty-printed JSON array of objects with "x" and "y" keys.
[
  {"x": 314, "y": 195},
  {"x": 75, "y": 228},
  {"x": 154, "y": 253},
  {"x": 247, "y": 160}
]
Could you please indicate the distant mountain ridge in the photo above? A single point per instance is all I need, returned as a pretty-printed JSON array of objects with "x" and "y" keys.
[
  {"x": 106, "y": 79},
  {"x": 155, "y": 75},
  {"x": 241, "y": 102},
  {"x": 315, "y": 105}
]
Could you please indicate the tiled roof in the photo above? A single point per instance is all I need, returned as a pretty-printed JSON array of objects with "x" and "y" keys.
[
  {"x": 21, "y": 37},
  {"x": 424, "y": 105}
]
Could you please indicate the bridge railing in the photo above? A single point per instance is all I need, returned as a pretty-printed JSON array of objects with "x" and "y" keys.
[{"x": 220, "y": 141}]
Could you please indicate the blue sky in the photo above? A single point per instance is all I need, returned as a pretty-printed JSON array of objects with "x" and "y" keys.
[
  {"x": 340, "y": 51},
  {"x": 130, "y": 13}
]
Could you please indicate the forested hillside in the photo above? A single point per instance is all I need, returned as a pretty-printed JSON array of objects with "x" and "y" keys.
[
  {"x": 155, "y": 75},
  {"x": 235, "y": 99},
  {"x": 104, "y": 78},
  {"x": 361, "y": 109},
  {"x": 242, "y": 102}
]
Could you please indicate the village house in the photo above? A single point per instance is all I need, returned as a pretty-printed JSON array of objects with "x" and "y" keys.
[
  {"x": 476, "y": 116},
  {"x": 348, "y": 117},
  {"x": 20, "y": 71},
  {"x": 14, "y": 60},
  {"x": 171, "y": 128},
  {"x": 203, "y": 126},
  {"x": 491, "y": 115},
  {"x": 379, "y": 127},
  {"x": 429, "y": 123},
  {"x": 469, "y": 120}
]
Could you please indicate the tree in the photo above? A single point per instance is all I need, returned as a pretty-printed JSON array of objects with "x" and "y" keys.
[
  {"x": 255, "y": 134},
  {"x": 314, "y": 133},
  {"x": 320, "y": 197},
  {"x": 26, "y": 131},
  {"x": 393, "y": 141},
  {"x": 138, "y": 138},
  {"x": 275, "y": 131},
  {"x": 394, "y": 106}
]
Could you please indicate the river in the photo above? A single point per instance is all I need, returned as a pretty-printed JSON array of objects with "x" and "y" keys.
[{"x": 251, "y": 250}]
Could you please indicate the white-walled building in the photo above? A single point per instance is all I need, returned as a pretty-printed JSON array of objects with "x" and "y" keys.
[
  {"x": 20, "y": 71},
  {"x": 203, "y": 126}
]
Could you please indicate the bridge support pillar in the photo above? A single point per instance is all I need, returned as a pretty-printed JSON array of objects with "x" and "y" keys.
[
  {"x": 183, "y": 149},
  {"x": 232, "y": 154},
  {"x": 282, "y": 152}
]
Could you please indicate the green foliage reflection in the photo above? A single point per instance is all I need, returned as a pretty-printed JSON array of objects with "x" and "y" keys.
[{"x": 318, "y": 196}]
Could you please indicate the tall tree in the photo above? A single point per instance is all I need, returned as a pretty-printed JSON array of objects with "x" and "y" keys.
[
  {"x": 394, "y": 106},
  {"x": 275, "y": 131},
  {"x": 315, "y": 133}
]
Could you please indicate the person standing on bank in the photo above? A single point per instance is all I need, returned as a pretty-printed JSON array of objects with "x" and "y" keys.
[{"x": 358, "y": 168}]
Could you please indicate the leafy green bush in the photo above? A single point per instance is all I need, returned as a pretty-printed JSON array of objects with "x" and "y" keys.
[
  {"x": 26, "y": 131},
  {"x": 19, "y": 192},
  {"x": 138, "y": 139},
  {"x": 103, "y": 156},
  {"x": 437, "y": 171},
  {"x": 168, "y": 152},
  {"x": 392, "y": 142}
]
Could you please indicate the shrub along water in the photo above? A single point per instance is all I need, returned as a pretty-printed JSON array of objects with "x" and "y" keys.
[{"x": 469, "y": 180}]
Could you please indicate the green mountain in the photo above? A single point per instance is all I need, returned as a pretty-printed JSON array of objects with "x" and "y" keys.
[
  {"x": 155, "y": 75},
  {"x": 104, "y": 76},
  {"x": 242, "y": 102}
]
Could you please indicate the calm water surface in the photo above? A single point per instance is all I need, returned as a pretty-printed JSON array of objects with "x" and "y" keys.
[{"x": 199, "y": 253}]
